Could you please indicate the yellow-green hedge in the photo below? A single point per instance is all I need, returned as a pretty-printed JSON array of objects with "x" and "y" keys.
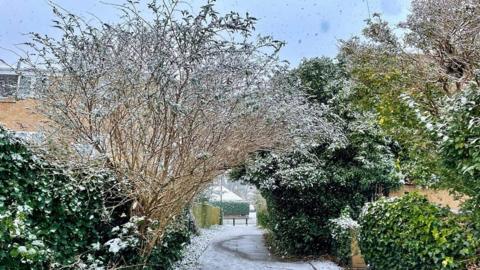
[
  {"x": 206, "y": 215},
  {"x": 261, "y": 212}
]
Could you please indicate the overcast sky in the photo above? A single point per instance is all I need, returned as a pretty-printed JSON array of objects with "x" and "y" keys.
[{"x": 309, "y": 27}]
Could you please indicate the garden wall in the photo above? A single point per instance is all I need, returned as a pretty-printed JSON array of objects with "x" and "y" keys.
[
  {"x": 440, "y": 197},
  {"x": 20, "y": 115},
  {"x": 356, "y": 261}
]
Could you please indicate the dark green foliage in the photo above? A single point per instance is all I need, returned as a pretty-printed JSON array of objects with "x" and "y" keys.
[
  {"x": 411, "y": 233},
  {"x": 322, "y": 77},
  {"x": 310, "y": 185},
  {"x": 163, "y": 255},
  {"x": 171, "y": 249},
  {"x": 304, "y": 192},
  {"x": 460, "y": 147},
  {"x": 233, "y": 208},
  {"x": 47, "y": 215},
  {"x": 53, "y": 217},
  {"x": 341, "y": 247}
]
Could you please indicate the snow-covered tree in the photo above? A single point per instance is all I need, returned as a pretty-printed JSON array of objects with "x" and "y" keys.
[
  {"x": 447, "y": 32},
  {"x": 170, "y": 99},
  {"x": 312, "y": 184}
]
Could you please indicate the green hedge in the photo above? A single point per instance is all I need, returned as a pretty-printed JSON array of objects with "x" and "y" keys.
[
  {"x": 47, "y": 215},
  {"x": 303, "y": 194},
  {"x": 460, "y": 148},
  {"x": 233, "y": 208},
  {"x": 411, "y": 233},
  {"x": 54, "y": 217},
  {"x": 207, "y": 215}
]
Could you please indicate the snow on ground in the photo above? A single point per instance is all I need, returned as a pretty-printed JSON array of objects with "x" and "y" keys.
[
  {"x": 196, "y": 248},
  {"x": 238, "y": 248}
]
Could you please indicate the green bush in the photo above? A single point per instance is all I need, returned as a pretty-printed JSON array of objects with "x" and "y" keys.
[
  {"x": 125, "y": 242},
  {"x": 233, "y": 208},
  {"x": 177, "y": 235},
  {"x": 411, "y": 233},
  {"x": 54, "y": 217},
  {"x": 460, "y": 147},
  {"x": 48, "y": 215},
  {"x": 310, "y": 184},
  {"x": 305, "y": 190}
]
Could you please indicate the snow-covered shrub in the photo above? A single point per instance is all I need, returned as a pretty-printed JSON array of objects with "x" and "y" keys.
[
  {"x": 305, "y": 190},
  {"x": 123, "y": 242},
  {"x": 171, "y": 248},
  {"x": 174, "y": 97},
  {"x": 306, "y": 187},
  {"x": 411, "y": 233},
  {"x": 342, "y": 230}
]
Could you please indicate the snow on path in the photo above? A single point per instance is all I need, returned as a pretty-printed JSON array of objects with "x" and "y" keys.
[{"x": 238, "y": 248}]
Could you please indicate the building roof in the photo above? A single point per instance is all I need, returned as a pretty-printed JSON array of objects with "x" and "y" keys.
[
  {"x": 6, "y": 70},
  {"x": 227, "y": 195}
]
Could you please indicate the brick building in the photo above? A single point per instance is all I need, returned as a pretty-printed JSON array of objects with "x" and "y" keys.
[{"x": 18, "y": 103}]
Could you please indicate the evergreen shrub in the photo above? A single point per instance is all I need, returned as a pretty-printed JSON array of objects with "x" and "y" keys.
[
  {"x": 53, "y": 216},
  {"x": 412, "y": 233}
]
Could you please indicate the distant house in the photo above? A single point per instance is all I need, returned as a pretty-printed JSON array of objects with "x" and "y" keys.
[
  {"x": 16, "y": 85},
  {"x": 223, "y": 194},
  {"x": 18, "y": 100}
]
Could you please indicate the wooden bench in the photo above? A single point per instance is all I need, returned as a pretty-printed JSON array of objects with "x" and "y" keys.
[{"x": 237, "y": 217}]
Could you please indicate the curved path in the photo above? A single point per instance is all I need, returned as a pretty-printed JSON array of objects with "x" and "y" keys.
[{"x": 243, "y": 248}]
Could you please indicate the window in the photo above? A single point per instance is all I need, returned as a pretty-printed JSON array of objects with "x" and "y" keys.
[{"x": 8, "y": 85}]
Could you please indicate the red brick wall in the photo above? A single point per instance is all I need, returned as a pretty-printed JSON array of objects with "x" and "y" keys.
[{"x": 21, "y": 115}]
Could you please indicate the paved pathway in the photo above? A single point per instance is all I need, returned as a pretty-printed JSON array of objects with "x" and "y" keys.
[{"x": 243, "y": 248}]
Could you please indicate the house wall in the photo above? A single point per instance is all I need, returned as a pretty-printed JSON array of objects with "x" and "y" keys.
[
  {"x": 441, "y": 197},
  {"x": 21, "y": 115}
]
